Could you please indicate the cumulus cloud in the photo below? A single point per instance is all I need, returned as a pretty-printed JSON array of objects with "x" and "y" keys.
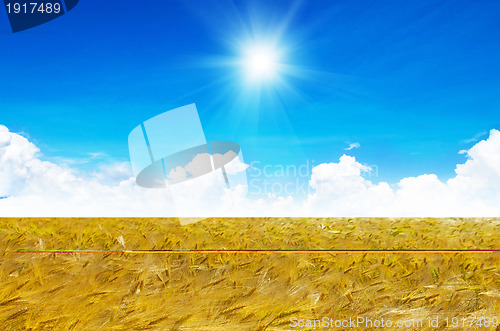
[
  {"x": 352, "y": 146},
  {"x": 113, "y": 172},
  {"x": 340, "y": 189},
  {"x": 40, "y": 188},
  {"x": 5, "y": 137}
]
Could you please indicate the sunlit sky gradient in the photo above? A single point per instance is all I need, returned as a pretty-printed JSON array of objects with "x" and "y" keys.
[{"x": 412, "y": 83}]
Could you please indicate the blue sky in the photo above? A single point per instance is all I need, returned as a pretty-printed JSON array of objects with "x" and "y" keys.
[{"x": 411, "y": 82}]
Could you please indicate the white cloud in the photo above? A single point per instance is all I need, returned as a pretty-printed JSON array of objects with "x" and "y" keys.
[
  {"x": 340, "y": 189},
  {"x": 97, "y": 155},
  {"x": 199, "y": 165},
  {"x": 39, "y": 188},
  {"x": 5, "y": 137},
  {"x": 476, "y": 137},
  {"x": 113, "y": 172},
  {"x": 352, "y": 146}
]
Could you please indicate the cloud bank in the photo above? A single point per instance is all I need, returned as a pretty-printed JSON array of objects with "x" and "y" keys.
[{"x": 30, "y": 186}]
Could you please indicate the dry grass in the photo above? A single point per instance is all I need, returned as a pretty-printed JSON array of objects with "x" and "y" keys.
[{"x": 242, "y": 291}]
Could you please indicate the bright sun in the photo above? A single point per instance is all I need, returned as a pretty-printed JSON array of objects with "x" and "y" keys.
[{"x": 260, "y": 63}]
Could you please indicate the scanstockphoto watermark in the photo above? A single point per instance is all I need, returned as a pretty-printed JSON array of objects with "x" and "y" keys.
[
  {"x": 280, "y": 179},
  {"x": 289, "y": 179},
  {"x": 358, "y": 322},
  {"x": 365, "y": 322}
]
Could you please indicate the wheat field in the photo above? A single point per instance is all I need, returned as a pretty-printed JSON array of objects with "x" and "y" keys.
[{"x": 243, "y": 290}]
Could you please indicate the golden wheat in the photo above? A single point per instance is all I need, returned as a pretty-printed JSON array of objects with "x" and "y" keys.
[{"x": 244, "y": 291}]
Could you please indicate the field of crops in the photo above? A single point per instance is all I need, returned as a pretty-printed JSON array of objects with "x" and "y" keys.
[{"x": 130, "y": 289}]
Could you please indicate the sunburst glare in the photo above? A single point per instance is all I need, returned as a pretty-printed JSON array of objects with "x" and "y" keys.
[{"x": 260, "y": 63}]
